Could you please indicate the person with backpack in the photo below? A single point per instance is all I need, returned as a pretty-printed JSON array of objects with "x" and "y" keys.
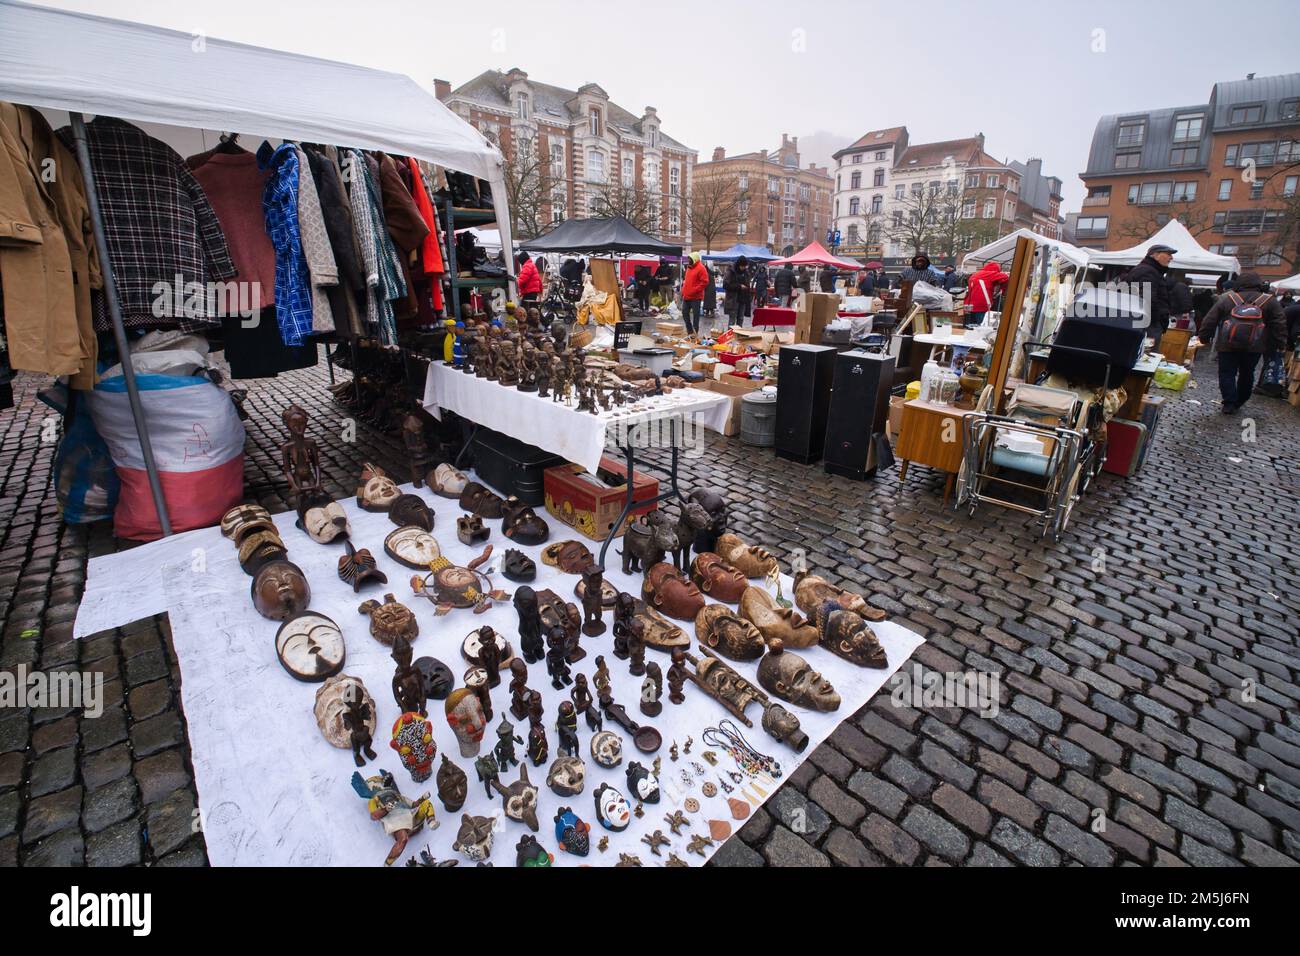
[{"x": 1243, "y": 324}]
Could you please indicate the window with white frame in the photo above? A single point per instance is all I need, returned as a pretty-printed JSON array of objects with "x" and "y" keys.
[
  {"x": 855, "y": 181},
  {"x": 1010, "y": 209},
  {"x": 595, "y": 166},
  {"x": 990, "y": 208},
  {"x": 743, "y": 182},
  {"x": 880, "y": 155},
  {"x": 855, "y": 206},
  {"x": 557, "y": 159},
  {"x": 991, "y": 181},
  {"x": 877, "y": 203},
  {"x": 857, "y": 157},
  {"x": 972, "y": 180},
  {"x": 878, "y": 178},
  {"x": 1185, "y": 191},
  {"x": 593, "y": 121},
  {"x": 1289, "y": 186},
  {"x": 1225, "y": 190},
  {"x": 629, "y": 172},
  {"x": 521, "y": 104},
  {"x": 674, "y": 179},
  {"x": 900, "y": 191},
  {"x": 968, "y": 209}
]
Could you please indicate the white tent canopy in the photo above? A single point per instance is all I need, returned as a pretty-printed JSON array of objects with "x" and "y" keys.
[
  {"x": 1005, "y": 248},
  {"x": 100, "y": 66},
  {"x": 1190, "y": 257},
  {"x": 1290, "y": 284}
]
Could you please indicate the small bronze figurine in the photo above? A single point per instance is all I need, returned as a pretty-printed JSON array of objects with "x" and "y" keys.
[
  {"x": 471, "y": 530},
  {"x": 486, "y": 769},
  {"x": 655, "y": 840},
  {"x": 677, "y": 676},
  {"x": 530, "y": 625},
  {"x": 652, "y": 689},
  {"x": 557, "y": 664},
  {"x": 408, "y": 682},
  {"x": 593, "y": 580},
  {"x": 504, "y": 751},
  {"x": 566, "y": 726},
  {"x": 519, "y": 689}
]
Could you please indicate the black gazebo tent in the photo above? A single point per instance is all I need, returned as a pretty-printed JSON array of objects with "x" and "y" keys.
[{"x": 599, "y": 236}]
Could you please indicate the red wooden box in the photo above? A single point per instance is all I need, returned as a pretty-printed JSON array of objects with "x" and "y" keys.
[{"x": 591, "y": 504}]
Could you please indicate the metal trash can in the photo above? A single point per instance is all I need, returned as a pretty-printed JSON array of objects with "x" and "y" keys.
[{"x": 758, "y": 418}]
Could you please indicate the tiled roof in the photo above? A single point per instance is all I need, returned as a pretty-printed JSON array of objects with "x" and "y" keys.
[
  {"x": 934, "y": 154},
  {"x": 875, "y": 138},
  {"x": 491, "y": 88}
]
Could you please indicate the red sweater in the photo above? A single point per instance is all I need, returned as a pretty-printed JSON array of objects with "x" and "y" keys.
[
  {"x": 529, "y": 280},
  {"x": 695, "y": 282}
]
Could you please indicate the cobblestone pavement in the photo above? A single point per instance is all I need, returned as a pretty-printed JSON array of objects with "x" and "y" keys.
[{"x": 1148, "y": 662}]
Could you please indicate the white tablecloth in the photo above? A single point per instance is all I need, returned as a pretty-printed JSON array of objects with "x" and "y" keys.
[
  {"x": 273, "y": 792},
  {"x": 579, "y": 437}
]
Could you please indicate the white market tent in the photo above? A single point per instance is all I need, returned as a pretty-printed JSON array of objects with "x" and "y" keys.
[
  {"x": 1191, "y": 255},
  {"x": 55, "y": 59},
  {"x": 1004, "y": 249},
  {"x": 1289, "y": 284}
]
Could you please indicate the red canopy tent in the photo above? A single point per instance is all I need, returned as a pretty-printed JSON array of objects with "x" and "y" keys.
[{"x": 815, "y": 254}]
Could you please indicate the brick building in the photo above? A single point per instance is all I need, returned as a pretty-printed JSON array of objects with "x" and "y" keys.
[
  {"x": 584, "y": 145},
  {"x": 1229, "y": 169},
  {"x": 879, "y": 177},
  {"x": 784, "y": 206}
]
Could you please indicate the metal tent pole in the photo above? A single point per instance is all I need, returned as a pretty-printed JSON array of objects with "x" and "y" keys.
[{"x": 119, "y": 331}]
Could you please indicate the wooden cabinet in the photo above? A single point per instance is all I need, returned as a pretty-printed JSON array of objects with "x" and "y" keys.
[{"x": 931, "y": 435}]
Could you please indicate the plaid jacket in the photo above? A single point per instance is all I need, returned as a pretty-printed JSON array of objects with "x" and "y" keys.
[
  {"x": 293, "y": 310},
  {"x": 158, "y": 225}
]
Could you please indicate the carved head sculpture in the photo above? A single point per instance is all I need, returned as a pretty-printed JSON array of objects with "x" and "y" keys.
[
  {"x": 411, "y": 510},
  {"x": 310, "y": 647},
  {"x": 390, "y": 619},
  {"x": 332, "y": 700},
  {"x": 453, "y": 785},
  {"x": 259, "y": 549},
  {"x": 607, "y": 748},
  {"x": 358, "y": 568},
  {"x": 530, "y": 853},
  {"x": 667, "y": 591},
  {"x": 847, "y": 635},
  {"x": 327, "y": 522},
  {"x": 295, "y": 420},
  {"x": 280, "y": 590},
  {"x": 642, "y": 783},
  {"x": 571, "y": 833},
  {"x": 571, "y": 557},
  {"x": 784, "y": 726},
  {"x": 715, "y": 505},
  {"x": 812, "y": 590},
  {"x": 567, "y": 776},
  {"x": 377, "y": 491},
  {"x": 243, "y": 520},
  {"x": 413, "y": 740},
  {"x": 611, "y": 808},
  {"x": 519, "y": 800},
  {"x": 788, "y": 676},
  {"x": 465, "y": 716},
  {"x": 412, "y": 546},
  {"x": 718, "y": 579},
  {"x": 726, "y": 632},
  {"x": 437, "y": 677},
  {"x": 750, "y": 559},
  {"x": 518, "y": 566},
  {"x": 474, "y": 838}
]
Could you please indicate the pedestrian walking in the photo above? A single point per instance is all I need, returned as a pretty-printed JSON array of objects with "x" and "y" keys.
[
  {"x": 1245, "y": 323},
  {"x": 530, "y": 281},
  {"x": 694, "y": 284},
  {"x": 1151, "y": 275},
  {"x": 783, "y": 286},
  {"x": 739, "y": 286}
]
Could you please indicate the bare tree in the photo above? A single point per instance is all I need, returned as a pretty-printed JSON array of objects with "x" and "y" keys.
[
  {"x": 1196, "y": 214},
  {"x": 713, "y": 208},
  {"x": 529, "y": 188},
  {"x": 951, "y": 234},
  {"x": 636, "y": 204}
]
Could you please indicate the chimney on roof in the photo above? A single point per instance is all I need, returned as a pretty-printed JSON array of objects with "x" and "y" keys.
[
  {"x": 719, "y": 152},
  {"x": 785, "y": 140},
  {"x": 980, "y": 137},
  {"x": 441, "y": 89},
  {"x": 1250, "y": 76}
]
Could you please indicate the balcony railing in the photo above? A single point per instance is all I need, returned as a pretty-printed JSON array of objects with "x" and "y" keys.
[{"x": 1096, "y": 201}]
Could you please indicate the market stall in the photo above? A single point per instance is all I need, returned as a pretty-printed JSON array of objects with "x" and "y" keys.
[
  {"x": 273, "y": 791},
  {"x": 58, "y": 60}
]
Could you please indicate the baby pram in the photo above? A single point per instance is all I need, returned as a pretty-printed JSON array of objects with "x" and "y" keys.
[{"x": 1041, "y": 456}]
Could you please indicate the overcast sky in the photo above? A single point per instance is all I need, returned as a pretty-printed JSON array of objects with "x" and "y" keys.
[{"x": 1032, "y": 76}]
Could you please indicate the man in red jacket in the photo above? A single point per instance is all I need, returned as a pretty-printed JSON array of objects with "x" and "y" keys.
[
  {"x": 693, "y": 285},
  {"x": 983, "y": 288},
  {"x": 530, "y": 282}
]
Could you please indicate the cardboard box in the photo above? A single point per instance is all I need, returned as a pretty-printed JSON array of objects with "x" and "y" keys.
[
  {"x": 735, "y": 393},
  {"x": 817, "y": 309},
  {"x": 591, "y": 504},
  {"x": 895, "y": 415},
  {"x": 745, "y": 382}
]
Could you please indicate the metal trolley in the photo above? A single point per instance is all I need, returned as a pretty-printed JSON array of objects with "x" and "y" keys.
[{"x": 1047, "y": 480}]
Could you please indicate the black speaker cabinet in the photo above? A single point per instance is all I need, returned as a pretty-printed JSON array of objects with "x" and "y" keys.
[
  {"x": 802, "y": 397},
  {"x": 855, "y": 423}
]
